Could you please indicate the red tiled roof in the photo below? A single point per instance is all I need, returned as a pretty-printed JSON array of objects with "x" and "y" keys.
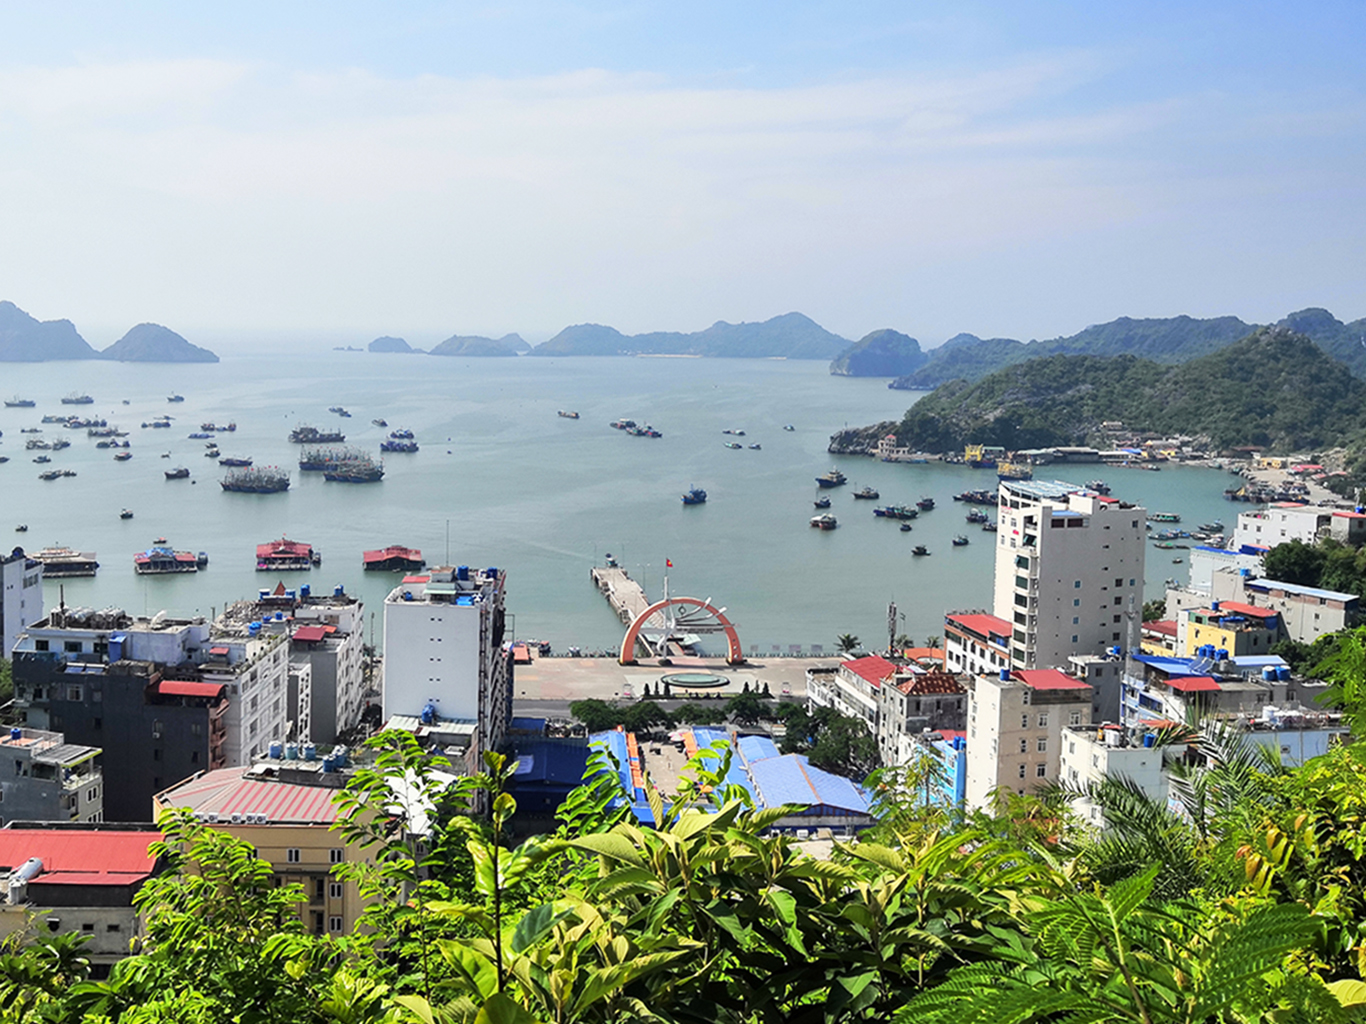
[
  {"x": 1193, "y": 684},
  {"x": 185, "y": 688},
  {"x": 1167, "y": 627},
  {"x": 980, "y": 623},
  {"x": 284, "y": 547},
  {"x": 1350, "y": 515},
  {"x": 872, "y": 668},
  {"x": 310, "y": 634},
  {"x": 1238, "y": 608},
  {"x": 225, "y": 792},
  {"x": 1049, "y": 679},
  {"x": 393, "y": 552},
  {"x": 929, "y": 683},
  {"x": 94, "y": 857}
]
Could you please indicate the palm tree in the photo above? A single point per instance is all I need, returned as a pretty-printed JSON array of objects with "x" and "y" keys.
[{"x": 847, "y": 643}]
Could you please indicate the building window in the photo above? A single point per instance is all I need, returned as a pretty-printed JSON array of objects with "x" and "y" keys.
[
  {"x": 72, "y": 647},
  {"x": 1118, "y": 583},
  {"x": 73, "y": 693},
  {"x": 1116, "y": 619},
  {"x": 97, "y": 723},
  {"x": 1077, "y": 584},
  {"x": 335, "y": 890},
  {"x": 1024, "y": 722},
  {"x": 1074, "y": 637},
  {"x": 112, "y": 928},
  {"x": 196, "y": 729},
  {"x": 41, "y": 645},
  {"x": 1024, "y": 745},
  {"x": 334, "y": 923},
  {"x": 1022, "y": 771},
  {"x": 1075, "y": 621},
  {"x": 1114, "y": 637},
  {"x": 336, "y": 856},
  {"x": 1043, "y": 719},
  {"x": 1043, "y": 744},
  {"x": 292, "y": 855},
  {"x": 1074, "y": 718},
  {"x": 317, "y": 890},
  {"x": 1118, "y": 601},
  {"x": 1076, "y": 602},
  {"x": 1041, "y": 771}
]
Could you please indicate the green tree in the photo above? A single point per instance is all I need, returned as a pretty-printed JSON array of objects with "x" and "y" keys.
[
  {"x": 1155, "y": 609},
  {"x": 1296, "y": 562},
  {"x": 695, "y": 713},
  {"x": 645, "y": 717},
  {"x": 745, "y": 708},
  {"x": 596, "y": 715}
]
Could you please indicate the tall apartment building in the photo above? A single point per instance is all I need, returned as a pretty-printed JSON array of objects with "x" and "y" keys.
[
  {"x": 1069, "y": 571},
  {"x": 1015, "y": 724},
  {"x": 21, "y": 596},
  {"x": 45, "y": 778},
  {"x": 443, "y": 650},
  {"x": 163, "y": 698}
]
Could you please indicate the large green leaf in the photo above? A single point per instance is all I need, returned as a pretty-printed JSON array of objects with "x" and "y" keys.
[
  {"x": 537, "y": 923},
  {"x": 501, "y": 1009},
  {"x": 610, "y": 845}
]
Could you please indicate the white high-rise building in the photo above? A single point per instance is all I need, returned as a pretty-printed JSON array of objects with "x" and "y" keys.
[
  {"x": 21, "y": 597},
  {"x": 1069, "y": 571},
  {"x": 443, "y": 650}
]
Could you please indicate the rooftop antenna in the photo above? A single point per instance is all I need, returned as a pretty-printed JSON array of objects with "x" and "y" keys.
[{"x": 448, "y": 542}]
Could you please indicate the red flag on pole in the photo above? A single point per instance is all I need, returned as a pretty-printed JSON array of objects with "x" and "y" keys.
[{"x": 668, "y": 564}]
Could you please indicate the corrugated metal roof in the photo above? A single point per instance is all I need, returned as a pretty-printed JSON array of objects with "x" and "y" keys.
[
  {"x": 226, "y": 792},
  {"x": 1296, "y": 588},
  {"x": 310, "y": 634},
  {"x": 96, "y": 857},
  {"x": 1049, "y": 679},
  {"x": 185, "y": 688},
  {"x": 792, "y": 779},
  {"x": 872, "y": 668},
  {"x": 980, "y": 623},
  {"x": 757, "y": 748},
  {"x": 1194, "y": 684}
]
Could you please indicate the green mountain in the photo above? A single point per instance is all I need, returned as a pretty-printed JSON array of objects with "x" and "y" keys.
[
  {"x": 1275, "y": 388},
  {"x": 24, "y": 339},
  {"x": 791, "y": 336},
  {"x": 1345, "y": 342},
  {"x": 388, "y": 344},
  {"x": 884, "y": 353},
  {"x": 476, "y": 345},
  {"x": 152, "y": 343},
  {"x": 1166, "y": 340}
]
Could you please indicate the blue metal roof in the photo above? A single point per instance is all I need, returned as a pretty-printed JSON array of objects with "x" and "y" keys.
[
  {"x": 1171, "y": 666},
  {"x": 757, "y": 748},
  {"x": 615, "y": 743},
  {"x": 736, "y": 775},
  {"x": 792, "y": 779},
  {"x": 553, "y": 762}
]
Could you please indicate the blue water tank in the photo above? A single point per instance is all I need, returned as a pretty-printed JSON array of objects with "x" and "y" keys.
[
  {"x": 1283, "y": 672},
  {"x": 329, "y": 763},
  {"x": 277, "y": 749},
  {"x": 253, "y": 628},
  {"x": 1214, "y": 606},
  {"x": 306, "y": 591},
  {"x": 16, "y": 733},
  {"x": 309, "y": 752},
  {"x": 1150, "y": 739},
  {"x": 493, "y": 572},
  {"x": 407, "y": 595},
  {"x": 1005, "y": 675},
  {"x": 338, "y": 590},
  {"x": 1269, "y": 673},
  {"x": 279, "y": 616},
  {"x": 1222, "y": 655},
  {"x": 429, "y": 713},
  {"x": 462, "y": 572},
  {"x": 959, "y": 743},
  {"x": 289, "y": 595},
  {"x": 341, "y": 755},
  {"x": 291, "y": 751}
]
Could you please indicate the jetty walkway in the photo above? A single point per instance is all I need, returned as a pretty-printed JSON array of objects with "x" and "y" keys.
[{"x": 624, "y": 594}]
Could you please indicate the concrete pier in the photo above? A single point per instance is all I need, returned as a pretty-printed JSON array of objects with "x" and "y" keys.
[{"x": 624, "y": 594}]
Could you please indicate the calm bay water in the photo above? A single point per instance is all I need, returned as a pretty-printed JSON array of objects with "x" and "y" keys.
[{"x": 516, "y": 486}]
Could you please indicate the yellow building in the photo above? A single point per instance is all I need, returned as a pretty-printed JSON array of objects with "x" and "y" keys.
[
  {"x": 1233, "y": 627},
  {"x": 285, "y": 810}
]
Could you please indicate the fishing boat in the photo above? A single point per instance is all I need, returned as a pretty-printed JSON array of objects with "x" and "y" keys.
[
  {"x": 568, "y": 414},
  {"x": 867, "y": 494},
  {"x": 1014, "y": 471},
  {"x": 832, "y": 479},
  {"x": 20, "y": 403},
  {"x": 312, "y": 435},
  {"x": 1099, "y": 486},
  {"x": 896, "y": 512},
  {"x": 175, "y": 398},
  {"x": 233, "y": 461},
  {"x": 161, "y": 559},
  {"x": 906, "y": 527},
  {"x": 1164, "y": 517},
  {"x": 401, "y": 434},
  {"x": 822, "y": 503},
  {"x": 988, "y": 527},
  {"x": 960, "y": 541},
  {"x": 756, "y": 447},
  {"x": 258, "y": 480},
  {"x": 213, "y": 427},
  {"x": 407, "y": 447},
  {"x": 1214, "y": 527},
  {"x": 920, "y": 549},
  {"x": 122, "y": 456},
  {"x": 285, "y": 555},
  {"x": 825, "y": 521},
  {"x": 363, "y": 470},
  {"x": 61, "y": 562},
  {"x": 126, "y": 514},
  {"x": 695, "y": 496},
  {"x": 737, "y": 433},
  {"x": 380, "y": 423},
  {"x": 179, "y": 473},
  {"x": 393, "y": 559},
  {"x": 21, "y": 528},
  {"x": 42, "y": 460},
  {"x": 199, "y": 435},
  {"x": 788, "y": 426},
  {"x": 976, "y": 516},
  {"x": 76, "y": 398},
  {"x": 734, "y": 444},
  {"x": 925, "y": 504},
  {"x": 976, "y": 497}
]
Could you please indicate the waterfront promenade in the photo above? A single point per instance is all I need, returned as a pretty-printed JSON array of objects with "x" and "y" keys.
[{"x": 579, "y": 678}]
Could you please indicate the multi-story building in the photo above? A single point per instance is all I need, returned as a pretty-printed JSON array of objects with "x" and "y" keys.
[
  {"x": 443, "y": 650},
  {"x": 1069, "y": 571},
  {"x": 21, "y": 597},
  {"x": 326, "y": 631},
  {"x": 911, "y": 703},
  {"x": 946, "y": 786},
  {"x": 45, "y": 778},
  {"x": 69, "y": 879},
  {"x": 1231, "y": 627},
  {"x": 285, "y": 809},
  {"x": 1307, "y": 613},
  {"x": 1089, "y": 754},
  {"x": 1015, "y": 723},
  {"x": 852, "y": 688},
  {"x": 1105, "y": 674},
  {"x": 1160, "y": 691},
  {"x": 162, "y": 697},
  {"x": 976, "y": 643},
  {"x": 1285, "y": 521}
]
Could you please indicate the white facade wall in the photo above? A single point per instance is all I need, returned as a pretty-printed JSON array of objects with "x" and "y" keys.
[
  {"x": 1068, "y": 589},
  {"x": 1271, "y": 526},
  {"x": 431, "y": 653},
  {"x": 21, "y": 599},
  {"x": 258, "y": 697},
  {"x": 1085, "y": 758}
]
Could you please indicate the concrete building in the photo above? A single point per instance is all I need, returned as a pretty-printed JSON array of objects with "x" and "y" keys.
[
  {"x": 1088, "y": 754},
  {"x": 1015, "y": 723},
  {"x": 1069, "y": 571},
  {"x": 76, "y": 880},
  {"x": 1206, "y": 561},
  {"x": 1283, "y": 522},
  {"x": 975, "y": 643},
  {"x": 1105, "y": 674},
  {"x": 1307, "y": 613},
  {"x": 285, "y": 810},
  {"x": 162, "y": 697},
  {"x": 1160, "y": 691},
  {"x": 45, "y": 778},
  {"x": 912, "y": 702},
  {"x": 1231, "y": 627},
  {"x": 443, "y": 648},
  {"x": 852, "y": 688},
  {"x": 21, "y": 597}
]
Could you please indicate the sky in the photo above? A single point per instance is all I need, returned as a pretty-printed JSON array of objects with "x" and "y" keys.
[{"x": 336, "y": 171}]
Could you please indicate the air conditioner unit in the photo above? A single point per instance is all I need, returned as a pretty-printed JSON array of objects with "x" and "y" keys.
[
  {"x": 213, "y": 817},
  {"x": 236, "y": 818}
]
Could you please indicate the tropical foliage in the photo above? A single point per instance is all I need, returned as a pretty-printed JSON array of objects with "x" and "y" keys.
[{"x": 1240, "y": 900}]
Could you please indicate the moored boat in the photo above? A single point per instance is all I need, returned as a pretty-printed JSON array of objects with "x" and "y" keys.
[
  {"x": 1164, "y": 517},
  {"x": 960, "y": 541},
  {"x": 822, "y": 503},
  {"x": 394, "y": 558},
  {"x": 976, "y": 497},
  {"x": 179, "y": 473},
  {"x": 380, "y": 422},
  {"x": 122, "y": 456},
  {"x": 20, "y": 403},
  {"x": 925, "y": 504},
  {"x": 734, "y": 444},
  {"x": 832, "y": 479},
  {"x": 896, "y": 512},
  {"x": 976, "y": 516},
  {"x": 126, "y": 514},
  {"x": 61, "y": 562},
  {"x": 285, "y": 555},
  {"x": 312, "y": 435},
  {"x": 362, "y": 470},
  {"x": 867, "y": 494},
  {"x": 175, "y": 398},
  {"x": 76, "y": 398},
  {"x": 234, "y": 461},
  {"x": 1099, "y": 486},
  {"x": 256, "y": 480},
  {"x": 695, "y": 496},
  {"x": 568, "y": 414},
  {"x": 920, "y": 549},
  {"x": 989, "y": 527},
  {"x": 161, "y": 558},
  {"x": 824, "y": 521},
  {"x": 398, "y": 446}
]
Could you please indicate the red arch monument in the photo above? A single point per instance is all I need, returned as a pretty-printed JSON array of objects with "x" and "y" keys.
[{"x": 734, "y": 655}]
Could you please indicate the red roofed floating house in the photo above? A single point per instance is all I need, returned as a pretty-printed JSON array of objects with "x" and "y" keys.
[
  {"x": 286, "y": 555},
  {"x": 394, "y": 559}
]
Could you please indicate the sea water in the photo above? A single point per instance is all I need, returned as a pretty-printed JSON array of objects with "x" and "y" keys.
[{"x": 502, "y": 480}]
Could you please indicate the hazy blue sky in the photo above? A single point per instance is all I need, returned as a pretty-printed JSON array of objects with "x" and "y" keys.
[{"x": 424, "y": 169}]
